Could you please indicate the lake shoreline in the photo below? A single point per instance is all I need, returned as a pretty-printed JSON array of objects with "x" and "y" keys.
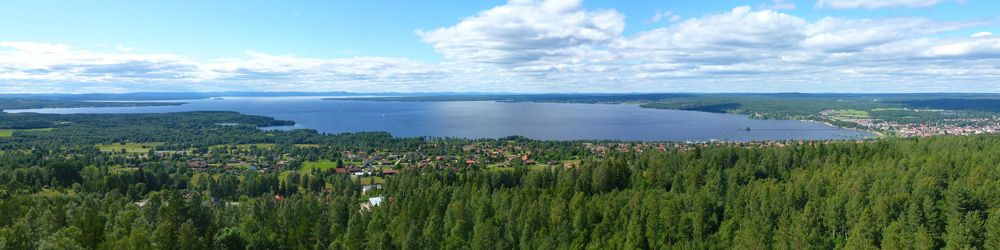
[
  {"x": 877, "y": 134},
  {"x": 491, "y": 119}
]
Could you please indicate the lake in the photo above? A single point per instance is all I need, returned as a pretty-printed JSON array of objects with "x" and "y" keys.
[{"x": 485, "y": 119}]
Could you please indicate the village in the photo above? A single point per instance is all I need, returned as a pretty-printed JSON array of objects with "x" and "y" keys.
[
  {"x": 954, "y": 126},
  {"x": 385, "y": 162}
]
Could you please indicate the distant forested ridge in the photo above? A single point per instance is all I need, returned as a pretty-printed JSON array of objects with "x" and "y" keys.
[
  {"x": 34, "y": 103},
  {"x": 989, "y": 105},
  {"x": 60, "y": 188},
  {"x": 557, "y": 98},
  {"x": 804, "y": 106}
]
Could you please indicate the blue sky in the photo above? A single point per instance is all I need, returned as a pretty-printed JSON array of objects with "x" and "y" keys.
[{"x": 515, "y": 46}]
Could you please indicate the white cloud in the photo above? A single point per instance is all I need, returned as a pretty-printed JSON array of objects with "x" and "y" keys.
[
  {"x": 718, "y": 37},
  {"x": 42, "y": 61},
  {"x": 975, "y": 48},
  {"x": 842, "y": 35},
  {"x": 36, "y": 47},
  {"x": 524, "y": 31},
  {"x": 875, "y": 4},
  {"x": 779, "y": 5},
  {"x": 80, "y": 71},
  {"x": 552, "y": 46},
  {"x": 982, "y": 34},
  {"x": 663, "y": 15}
]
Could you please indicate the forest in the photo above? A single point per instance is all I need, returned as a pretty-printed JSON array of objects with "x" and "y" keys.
[
  {"x": 30, "y": 103},
  {"x": 60, "y": 190}
]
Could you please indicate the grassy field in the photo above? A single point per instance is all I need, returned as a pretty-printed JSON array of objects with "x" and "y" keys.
[
  {"x": 851, "y": 114},
  {"x": 245, "y": 146},
  {"x": 369, "y": 180},
  {"x": 51, "y": 193},
  {"x": 572, "y": 163},
  {"x": 119, "y": 169},
  {"x": 306, "y": 145},
  {"x": 320, "y": 165},
  {"x": 888, "y": 109},
  {"x": 10, "y": 132},
  {"x": 37, "y": 130},
  {"x": 132, "y": 148},
  {"x": 25, "y": 151},
  {"x": 533, "y": 167}
]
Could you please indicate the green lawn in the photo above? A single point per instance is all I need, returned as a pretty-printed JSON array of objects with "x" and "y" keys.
[
  {"x": 320, "y": 165},
  {"x": 10, "y": 132},
  {"x": 51, "y": 193},
  {"x": 574, "y": 163},
  {"x": 131, "y": 148},
  {"x": 370, "y": 180},
  {"x": 887, "y": 109},
  {"x": 852, "y": 114},
  {"x": 498, "y": 168},
  {"x": 538, "y": 167},
  {"x": 533, "y": 167},
  {"x": 119, "y": 169},
  {"x": 245, "y": 146},
  {"x": 37, "y": 130}
]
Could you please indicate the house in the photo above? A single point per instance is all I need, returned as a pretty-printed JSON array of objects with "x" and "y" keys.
[
  {"x": 371, "y": 203},
  {"x": 366, "y": 188},
  {"x": 389, "y": 172},
  {"x": 375, "y": 201}
]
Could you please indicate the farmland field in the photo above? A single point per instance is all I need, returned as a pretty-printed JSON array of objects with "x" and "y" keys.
[
  {"x": 319, "y": 165},
  {"x": 245, "y": 146},
  {"x": 129, "y": 147}
]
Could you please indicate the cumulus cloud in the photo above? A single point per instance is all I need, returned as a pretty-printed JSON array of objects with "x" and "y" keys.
[
  {"x": 558, "y": 45},
  {"x": 780, "y": 5},
  {"x": 983, "y": 47},
  {"x": 982, "y": 34},
  {"x": 524, "y": 31},
  {"x": 843, "y": 35},
  {"x": 875, "y": 4},
  {"x": 739, "y": 28},
  {"x": 48, "y": 66},
  {"x": 663, "y": 15},
  {"x": 42, "y": 61}
]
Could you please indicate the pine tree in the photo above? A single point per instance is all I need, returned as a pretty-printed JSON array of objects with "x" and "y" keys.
[
  {"x": 228, "y": 239},
  {"x": 187, "y": 237},
  {"x": 64, "y": 239}
]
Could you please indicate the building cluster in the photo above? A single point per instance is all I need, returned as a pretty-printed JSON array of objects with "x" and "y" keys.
[{"x": 971, "y": 126}]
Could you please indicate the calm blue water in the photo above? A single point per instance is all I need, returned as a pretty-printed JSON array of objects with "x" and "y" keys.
[{"x": 550, "y": 121}]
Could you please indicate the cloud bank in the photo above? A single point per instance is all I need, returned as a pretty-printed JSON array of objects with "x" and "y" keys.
[
  {"x": 876, "y": 4},
  {"x": 559, "y": 46}
]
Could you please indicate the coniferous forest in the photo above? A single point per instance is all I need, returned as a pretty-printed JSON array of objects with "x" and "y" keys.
[{"x": 62, "y": 188}]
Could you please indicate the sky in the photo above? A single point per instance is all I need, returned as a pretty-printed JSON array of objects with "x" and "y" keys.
[{"x": 519, "y": 46}]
